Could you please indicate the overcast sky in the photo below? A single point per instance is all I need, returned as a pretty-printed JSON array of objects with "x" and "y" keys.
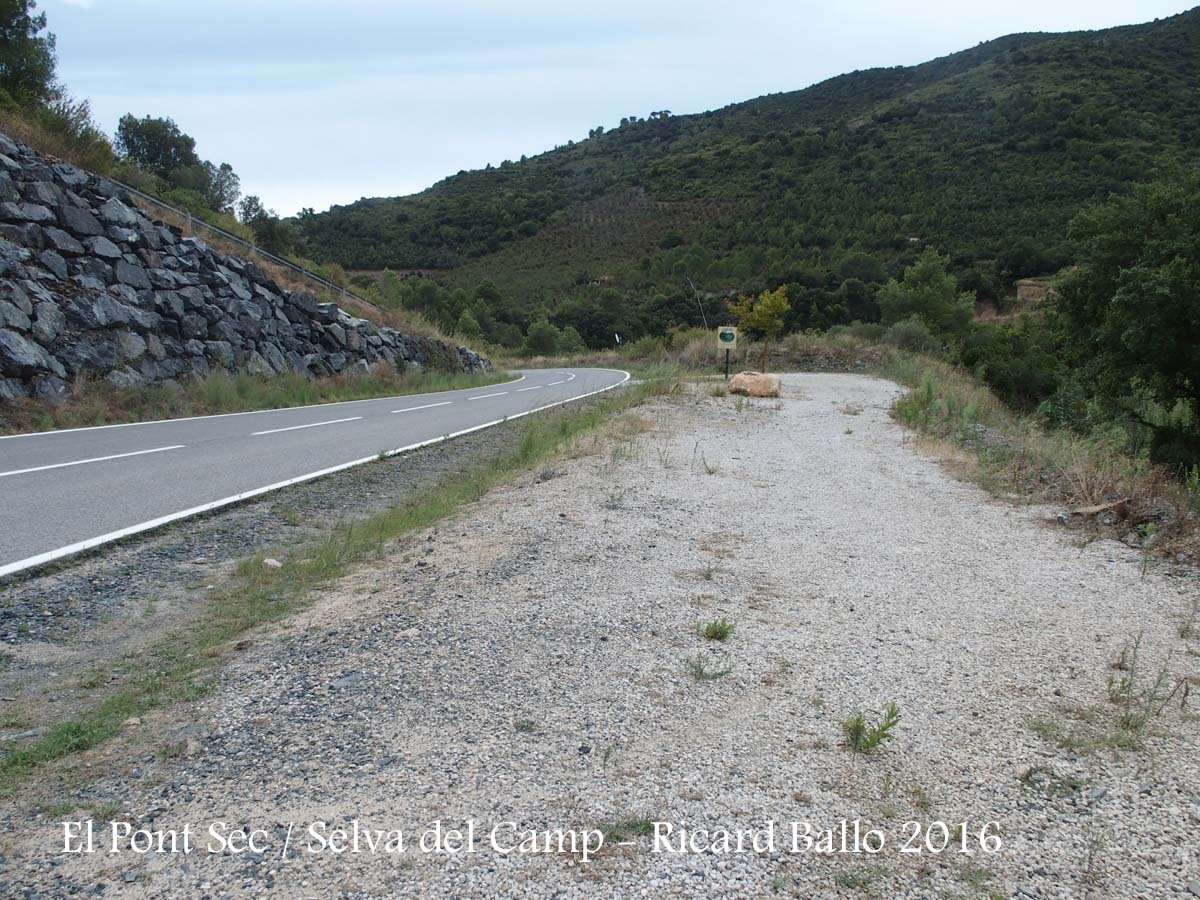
[{"x": 316, "y": 103}]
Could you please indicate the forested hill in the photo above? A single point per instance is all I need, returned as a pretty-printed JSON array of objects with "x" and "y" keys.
[{"x": 986, "y": 154}]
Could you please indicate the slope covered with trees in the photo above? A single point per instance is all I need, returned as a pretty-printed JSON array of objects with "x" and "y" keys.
[{"x": 986, "y": 154}]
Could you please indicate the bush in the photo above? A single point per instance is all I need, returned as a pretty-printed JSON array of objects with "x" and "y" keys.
[{"x": 914, "y": 336}]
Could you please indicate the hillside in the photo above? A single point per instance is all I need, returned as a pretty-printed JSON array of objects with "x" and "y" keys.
[{"x": 986, "y": 154}]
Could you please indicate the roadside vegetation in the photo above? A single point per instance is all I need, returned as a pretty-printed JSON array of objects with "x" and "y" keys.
[
  {"x": 100, "y": 403},
  {"x": 180, "y": 668}
]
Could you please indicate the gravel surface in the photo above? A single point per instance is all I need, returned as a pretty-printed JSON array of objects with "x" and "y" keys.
[{"x": 528, "y": 662}]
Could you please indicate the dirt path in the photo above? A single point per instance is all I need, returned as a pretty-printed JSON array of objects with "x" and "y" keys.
[{"x": 529, "y": 663}]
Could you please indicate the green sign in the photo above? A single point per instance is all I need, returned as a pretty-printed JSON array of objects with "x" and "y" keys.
[{"x": 726, "y": 337}]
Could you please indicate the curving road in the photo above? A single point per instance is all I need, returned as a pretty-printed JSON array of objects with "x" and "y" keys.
[{"x": 66, "y": 491}]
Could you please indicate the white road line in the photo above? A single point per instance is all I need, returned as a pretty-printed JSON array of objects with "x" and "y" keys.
[
  {"x": 310, "y": 425},
  {"x": 485, "y": 396},
  {"x": 51, "y": 555},
  {"x": 536, "y": 387},
  {"x": 80, "y": 462},
  {"x": 426, "y": 406},
  {"x": 553, "y": 383},
  {"x": 570, "y": 376}
]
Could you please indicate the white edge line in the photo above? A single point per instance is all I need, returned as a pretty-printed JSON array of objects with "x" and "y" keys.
[
  {"x": 94, "y": 459},
  {"x": 245, "y": 412},
  {"x": 426, "y": 406},
  {"x": 51, "y": 555},
  {"x": 309, "y": 425},
  {"x": 534, "y": 388},
  {"x": 485, "y": 396}
]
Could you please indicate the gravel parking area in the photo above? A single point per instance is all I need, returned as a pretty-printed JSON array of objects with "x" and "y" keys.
[{"x": 535, "y": 664}]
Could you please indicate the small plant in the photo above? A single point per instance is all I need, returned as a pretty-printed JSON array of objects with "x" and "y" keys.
[
  {"x": 740, "y": 404},
  {"x": 546, "y": 473},
  {"x": 862, "y": 737},
  {"x": 708, "y": 572},
  {"x": 709, "y": 468},
  {"x": 1138, "y": 701},
  {"x": 664, "y": 457},
  {"x": 614, "y": 500},
  {"x": 627, "y": 828},
  {"x": 850, "y": 409},
  {"x": 716, "y": 630},
  {"x": 719, "y": 390},
  {"x": 524, "y": 726},
  {"x": 1190, "y": 623},
  {"x": 707, "y": 668}
]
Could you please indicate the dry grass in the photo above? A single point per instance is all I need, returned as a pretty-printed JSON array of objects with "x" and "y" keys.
[{"x": 100, "y": 403}]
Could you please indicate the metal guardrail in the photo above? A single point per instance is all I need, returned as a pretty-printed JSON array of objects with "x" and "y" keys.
[{"x": 195, "y": 221}]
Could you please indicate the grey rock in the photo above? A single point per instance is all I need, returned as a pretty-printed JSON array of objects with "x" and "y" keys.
[
  {"x": 48, "y": 322},
  {"x": 125, "y": 378},
  {"x": 53, "y": 263},
  {"x": 130, "y": 347},
  {"x": 51, "y": 389},
  {"x": 134, "y": 276},
  {"x": 12, "y": 390},
  {"x": 114, "y": 212},
  {"x": 11, "y": 316},
  {"x": 220, "y": 352},
  {"x": 80, "y": 222},
  {"x": 90, "y": 353},
  {"x": 69, "y": 176},
  {"x": 102, "y": 247},
  {"x": 61, "y": 242},
  {"x": 43, "y": 194},
  {"x": 8, "y": 190},
  {"x": 21, "y": 355},
  {"x": 194, "y": 326}
]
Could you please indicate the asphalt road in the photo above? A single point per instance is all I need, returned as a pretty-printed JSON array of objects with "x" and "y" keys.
[{"x": 66, "y": 491}]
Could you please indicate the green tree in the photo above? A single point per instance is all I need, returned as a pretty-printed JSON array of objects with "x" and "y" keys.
[
  {"x": 930, "y": 293},
  {"x": 468, "y": 326},
  {"x": 1128, "y": 313},
  {"x": 541, "y": 339},
  {"x": 157, "y": 145},
  {"x": 762, "y": 316},
  {"x": 27, "y": 57},
  {"x": 569, "y": 342}
]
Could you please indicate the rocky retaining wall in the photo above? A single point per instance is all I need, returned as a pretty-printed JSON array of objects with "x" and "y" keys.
[{"x": 89, "y": 286}]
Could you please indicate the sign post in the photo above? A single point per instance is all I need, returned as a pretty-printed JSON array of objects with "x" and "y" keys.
[{"x": 726, "y": 340}]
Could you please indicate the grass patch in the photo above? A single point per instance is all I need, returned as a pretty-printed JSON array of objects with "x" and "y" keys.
[
  {"x": 260, "y": 594},
  {"x": 708, "y": 668},
  {"x": 100, "y": 403},
  {"x": 865, "y": 737},
  {"x": 716, "y": 630},
  {"x": 627, "y": 829}
]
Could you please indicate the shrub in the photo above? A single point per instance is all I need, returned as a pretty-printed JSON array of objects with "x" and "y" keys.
[{"x": 862, "y": 737}]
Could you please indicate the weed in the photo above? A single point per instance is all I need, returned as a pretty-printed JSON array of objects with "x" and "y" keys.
[
  {"x": 1137, "y": 700},
  {"x": 851, "y": 409},
  {"x": 524, "y": 726},
  {"x": 719, "y": 390},
  {"x": 707, "y": 668},
  {"x": 664, "y": 457},
  {"x": 1044, "y": 780},
  {"x": 716, "y": 630},
  {"x": 614, "y": 500},
  {"x": 289, "y": 514},
  {"x": 861, "y": 877},
  {"x": 708, "y": 572},
  {"x": 546, "y": 473},
  {"x": 105, "y": 809},
  {"x": 625, "y": 829},
  {"x": 862, "y": 737},
  {"x": 1191, "y": 619},
  {"x": 709, "y": 468},
  {"x": 740, "y": 404}
]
